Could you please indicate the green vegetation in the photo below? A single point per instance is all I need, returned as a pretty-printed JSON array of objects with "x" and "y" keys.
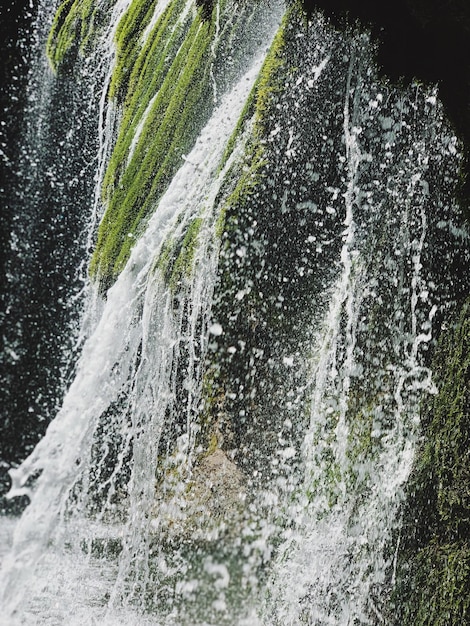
[
  {"x": 433, "y": 576},
  {"x": 176, "y": 260},
  {"x": 184, "y": 264},
  {"x": 248, "y": 172},
  {"x": 268, "y": 84},
  {"x": 164, "y": 86},
  {"x": 129, "y": 43},
  {"x": 165, "y": 107},
  {"x": 74, "y": 26},
  {"x": 437, "y": 586}
]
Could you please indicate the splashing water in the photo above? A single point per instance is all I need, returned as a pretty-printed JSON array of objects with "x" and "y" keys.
[
  {"x": 105, "y": 540},
  {"x": 135, "y": 346},
  {"x": 364, "y": 412}
]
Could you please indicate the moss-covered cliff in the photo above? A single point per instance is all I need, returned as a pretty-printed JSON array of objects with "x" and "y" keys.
[
  {"x": 167, "y": 90},
  {"x": 323, "y": 143},
  {"x": 433, "y": 573},
  {"x": 169, "y": 66},
  {"x": 75, "y": 27}
]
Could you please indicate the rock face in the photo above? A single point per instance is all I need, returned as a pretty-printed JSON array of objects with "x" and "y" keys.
[
  {"x": 279, "y": 254},
  {"x": 205, "y": 506},
  {"x": 434, "y": 562}
]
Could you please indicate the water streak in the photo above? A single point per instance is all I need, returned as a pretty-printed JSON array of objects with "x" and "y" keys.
[
  {"x": 106, "y": 539},
  {"x": 133, "y": 340}
]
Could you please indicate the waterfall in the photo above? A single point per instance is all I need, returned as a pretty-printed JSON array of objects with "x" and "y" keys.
[
  {"x": 258, "y": 306},
  {"x": 51, "y": 230},
  {"x": 353, "y": 503}
]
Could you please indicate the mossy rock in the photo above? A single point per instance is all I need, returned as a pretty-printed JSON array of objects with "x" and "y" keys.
[
  {"x": 134, "y": 182},
  {"x": 164, "y": 86},
  {"x": 435, "y": 587},
  {"x": 176, "y": 260},
  {"x": 433, "y": 574},
  {"x": 75, "y": 27}
]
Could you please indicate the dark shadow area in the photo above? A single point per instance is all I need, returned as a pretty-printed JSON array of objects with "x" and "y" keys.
[
  {"x": 426, "y": 40},
  {"x": 15, "y": 22},
  {"x": 45, "y": 198}
]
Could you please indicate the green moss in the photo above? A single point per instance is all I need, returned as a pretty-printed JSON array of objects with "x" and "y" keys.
[
  {"x": 213, "y": 444},
  {"x": 61, "y": 37},
  {"x": 363, "y": 448},
  {"x": 247, "y": 113},
  {"x": 437, "y": 587},
  {"x": 162, "y": 86},
  {"x": 134, "y": 182},
  {"x": 450, "y": 425},
  {"x": 74, "y": 26},
  {"x": 128, "y": 35},
  {"x": 165, "y": 259},
  {"x": 184, "y": 264},
  {"x": 220, "y": 223},
  {"x": 267, "y": 85},
  {"x": 164, "y": 97},
  {"x": 434, "y": 563},
  {"x": 443, "y": 463},
  {"x": 145, "y": 79},
  {"x": 272, "y": 77},
  {"x": 248, "y": 171},
  {"x": 176, "y": 260}
]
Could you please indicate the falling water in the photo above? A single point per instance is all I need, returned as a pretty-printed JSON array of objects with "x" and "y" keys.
[
  {"x": 119, "y": 532},
  {"x": 369, "y": 377},
  {"x": 130, "y": 363},
  {"x": 52, "y": 227}
]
